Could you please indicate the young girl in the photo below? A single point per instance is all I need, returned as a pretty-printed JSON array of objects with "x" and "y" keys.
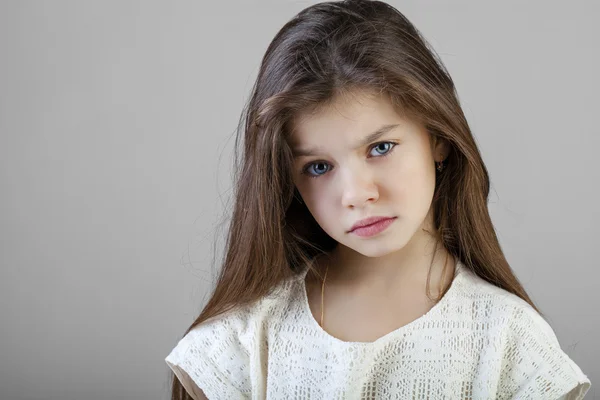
[{"x": 361, "y": 261}]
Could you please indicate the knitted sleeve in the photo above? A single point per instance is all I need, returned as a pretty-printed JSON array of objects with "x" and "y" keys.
[
  {"x": 211, "y": 357},
  {"x": 534, "y": 365}
]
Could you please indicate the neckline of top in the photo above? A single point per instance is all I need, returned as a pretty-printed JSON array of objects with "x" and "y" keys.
[{"x": 307, "y": 313}]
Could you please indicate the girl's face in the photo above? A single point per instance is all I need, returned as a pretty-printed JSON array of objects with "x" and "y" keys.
[{"x": 358, "y": 159}]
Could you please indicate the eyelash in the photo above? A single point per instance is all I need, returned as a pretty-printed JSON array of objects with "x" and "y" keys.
[{"x": 307, "y": 166}]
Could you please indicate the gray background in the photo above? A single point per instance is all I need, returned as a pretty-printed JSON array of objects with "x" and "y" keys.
[{"x": 116, "y": 123}]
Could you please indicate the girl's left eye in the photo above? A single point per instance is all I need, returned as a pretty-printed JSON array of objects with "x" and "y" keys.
[
  {"x": 387, "y": 146},
  {"x": 381, "y": 149}
]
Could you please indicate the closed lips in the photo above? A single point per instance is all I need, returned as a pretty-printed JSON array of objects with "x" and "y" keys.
[{"x": 367, "y": 222}]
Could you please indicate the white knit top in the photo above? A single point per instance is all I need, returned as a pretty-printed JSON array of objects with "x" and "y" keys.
[{"x": 477, "y": 342}]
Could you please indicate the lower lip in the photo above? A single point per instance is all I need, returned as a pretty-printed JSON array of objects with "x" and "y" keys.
[{"x": 373, "y": 229}]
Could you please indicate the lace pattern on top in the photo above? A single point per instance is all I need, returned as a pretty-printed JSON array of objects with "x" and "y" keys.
[{"x": 478, "y": 342}]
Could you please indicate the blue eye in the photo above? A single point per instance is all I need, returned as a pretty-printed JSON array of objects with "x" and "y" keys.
[
  {"x": 387, "y": 147},
  {"x": 319, "y": 164},
  {"x": 321, "y": 167}
]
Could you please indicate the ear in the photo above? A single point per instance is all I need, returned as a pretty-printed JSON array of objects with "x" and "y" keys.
[{"x": 440, "y": 148}]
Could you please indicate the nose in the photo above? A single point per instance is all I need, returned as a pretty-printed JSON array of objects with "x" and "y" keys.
[{"x": 358, "y": 188}]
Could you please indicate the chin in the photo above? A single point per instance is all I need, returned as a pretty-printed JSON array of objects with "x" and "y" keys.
[{"x": 378, "y": 247}]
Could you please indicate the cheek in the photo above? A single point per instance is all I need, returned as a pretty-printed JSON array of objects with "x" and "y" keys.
[
  {"x": 414, "y": 184},
  {"x": 319, "y": 204}
]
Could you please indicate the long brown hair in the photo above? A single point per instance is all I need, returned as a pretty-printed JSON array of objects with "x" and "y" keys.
[{"x": 328, "y": 49}]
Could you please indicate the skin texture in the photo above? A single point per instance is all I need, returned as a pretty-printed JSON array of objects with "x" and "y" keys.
[{"x": 378, "y": 280}]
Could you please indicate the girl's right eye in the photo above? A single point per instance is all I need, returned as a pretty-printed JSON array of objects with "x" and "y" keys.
[{"x": 316, "y": 169}]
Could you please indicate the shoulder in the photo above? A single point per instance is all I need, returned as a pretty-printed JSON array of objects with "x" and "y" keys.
[
  {"x": 535, "y": 366},
  {"x": 212, "y": 358},
  {"x": 216, "y": 356},
  {"x": 474, "y": 289},
  {"x": 532, "y": 364}
]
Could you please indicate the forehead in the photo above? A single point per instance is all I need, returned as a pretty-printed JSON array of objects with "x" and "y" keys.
[{"x": 352, "y": 114}]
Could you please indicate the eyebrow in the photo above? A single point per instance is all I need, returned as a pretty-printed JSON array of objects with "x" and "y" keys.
[{"x": 298, "y": 152}]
